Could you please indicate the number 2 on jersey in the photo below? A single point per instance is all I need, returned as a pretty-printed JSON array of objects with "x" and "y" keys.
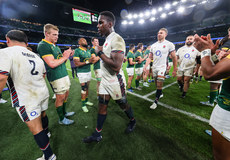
[{"x": 33, "y": 72}]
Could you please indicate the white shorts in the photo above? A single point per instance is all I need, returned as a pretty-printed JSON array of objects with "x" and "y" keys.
[
  {"x": 220, "y": 120},
  {"x": 28, "y": 113},
  {"x": 60, "y": 86},
  {"x": 97, "y": 73},
  {"x": 219, "y": 81},
  {"x": 159, "y": 73},
  {"x": 130, "y": 71},
  {"x": 170, "y": 64},
  {"x": 84, "y": 77},
  {"x": 139, "y": 71},
  {"x": 186, "y": 72},
  {"x": 148, "y": 67},
  {"x": 116, "y": 90}
]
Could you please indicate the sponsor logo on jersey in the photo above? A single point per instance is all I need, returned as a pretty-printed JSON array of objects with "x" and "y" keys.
[
  {"x": 34, "y": 113},
  {"x": 164, "y": 46},
  {"x": 106, "y": 44}
]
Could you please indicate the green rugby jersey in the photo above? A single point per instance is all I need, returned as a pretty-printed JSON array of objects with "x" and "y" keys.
[
  {"x": 146, "y": 53},
  {"x": 138, "y": 53},
  {"x": 130, "y": 55},
  {"x": 223, "y": 99},
  {"x": 97, "y": 64},
  {"x": 82, "y": 55},
  {"x": 46, "y": 48}
]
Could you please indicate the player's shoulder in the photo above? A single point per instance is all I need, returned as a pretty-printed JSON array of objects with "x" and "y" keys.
[
  {"x": 168, "y": 42},
  {"x": 117, "y": 37}
]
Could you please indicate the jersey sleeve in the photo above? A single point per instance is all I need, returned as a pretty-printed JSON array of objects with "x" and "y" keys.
[
  {"x": 92, "y": 51},
  {"x": 5, "y": 63},
  {"x": 118, "y": 44},
  {"x": 44, "y": 50},
  {"x": 76, "y": 54},
  {"x": 171, "y": 47}
]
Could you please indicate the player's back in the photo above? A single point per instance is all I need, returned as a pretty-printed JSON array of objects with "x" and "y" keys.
[{"x": 26, "y": 75}]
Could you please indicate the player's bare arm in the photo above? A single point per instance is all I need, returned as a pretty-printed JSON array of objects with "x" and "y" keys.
[
  {"x": 131, "y": 62},
  {"x": 53, "y": 63},
  {"x": 3, "y": 79},
  {"x": 211, "y": 71},
  {"x": 174, "y": 59},
  {"x": 148, "y": 61},
  {"x": 116, "y": 60}
]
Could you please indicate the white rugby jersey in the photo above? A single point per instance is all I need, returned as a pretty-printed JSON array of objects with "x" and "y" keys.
[
  {"x": 187, "y": 57},
  {"x": 113, "y": 42},
  {"x": 25, "y": 70},
  {"x": 161, "y": 52}
]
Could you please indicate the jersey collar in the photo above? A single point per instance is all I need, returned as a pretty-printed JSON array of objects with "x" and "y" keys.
[
  {"x": 81, "y": 49},
  {"x": 47, "y": 41}
]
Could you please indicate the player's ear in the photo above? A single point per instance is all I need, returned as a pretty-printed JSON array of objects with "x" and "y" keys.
[{"x": 7, "y": 40}]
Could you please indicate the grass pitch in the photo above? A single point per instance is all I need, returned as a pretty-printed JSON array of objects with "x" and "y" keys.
[{"x": 160, "y": 134}]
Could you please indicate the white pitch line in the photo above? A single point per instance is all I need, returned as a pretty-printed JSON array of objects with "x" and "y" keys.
[
  {"x": 149, "y": 94},
  {"x": 167, "y": 106},
  {"x": 172, "y": 108}
]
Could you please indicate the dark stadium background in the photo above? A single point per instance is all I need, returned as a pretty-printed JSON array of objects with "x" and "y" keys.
[{"x": 59, "y": 12}]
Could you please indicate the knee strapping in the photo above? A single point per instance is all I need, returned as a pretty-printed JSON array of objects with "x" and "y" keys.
[
  {"x": 84, "y": 88},
  {"x": 103, "y": 100}
]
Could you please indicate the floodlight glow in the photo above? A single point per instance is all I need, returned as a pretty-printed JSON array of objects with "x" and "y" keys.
[
  {"x": 180, "y": 9},
  {"x": 130, "y": 16},
  {"x": 203, "y": 2},
  {"x": 147, "y": 13},
  {"x": 167, "y": 6},
  {"x": 191, "y": 6},
  {"x": 163, "y": 15},
  {"x": 160, "y": 9},
  {"x": 152, "y": 19},
  {"x": 174, "y": 3},
  {"x": 141, "y": 21},
  {"x": 154, "y": 11},
  {"x": 131, "y": 22},
  {"x": 124, "y": 22},
  {"x": 183, "y": 1},
  {"x": 141, "y": 15},
  {"x": 170, "y": 13},
  {"x": 135, "y": 16}
]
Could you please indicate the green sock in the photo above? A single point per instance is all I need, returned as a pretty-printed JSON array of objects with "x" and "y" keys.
[
  {"x": 137, "y": 83},
  {"x": 83, "y": 101},
  {"x": 86, "y": 100},
  {"x": 64, "y": 105},
  {"x": 213, "y": 94},
  {"x": 60, "y": 112}
]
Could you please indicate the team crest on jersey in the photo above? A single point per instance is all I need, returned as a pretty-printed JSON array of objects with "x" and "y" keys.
[
  {"x": 164, "y": 46},
  {"x": 106, "y": 44},
  {"x": 193, "y": 50}
]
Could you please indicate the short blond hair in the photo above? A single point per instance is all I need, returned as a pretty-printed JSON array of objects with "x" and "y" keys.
[
  {"x": 164, "y": 29},
  {"x": 49, "y": 26}
]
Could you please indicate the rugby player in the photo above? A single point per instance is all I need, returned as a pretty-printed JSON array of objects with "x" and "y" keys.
[
  {"x": 159, "y": 52},
  {"x": 130, "y": 65},
  {"x": 113, "y": 83},
  {"x": 24, "y": 72},
  {"x": 56, "y": 70},
  {"x": 139, "y": 58},
  {"x": 220, "y": 117},
  {"x": 82, "y": 59},
  {"x": 186, "y": 56},
  {"x": 96, "y": 65}
]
